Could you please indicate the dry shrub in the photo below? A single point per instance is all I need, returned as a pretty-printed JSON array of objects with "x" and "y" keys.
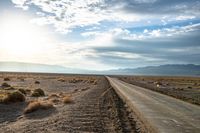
[
  {"x": 67, "y": 99},
  {"x": 23, "y": 91},
  {"x": 38, "y": 92},
  {"x": 28, "y": 91},
  {"x": 61, "y": 94},
  {"x": 61, "y": 80},
  {"x": 95, "y": 82},
  {"x": 55, "y": 100},
  {"x": 2, "y": 96},
  {"x": 36, "y": 105},
  {"x": 75, "y": 80},
  {"x": 6, "y": 79},
  {"x": 9, "y": 88},
  {"x": 5, "y": 85},
  {"x": 84, "y": 89},
  {"x": 13, "y": 97},
  {"x": 54, "y": 95},
  {"x": 75, "y": 90},
  {"x": 22, "y": 80},
  {"x": 37, "y": 82}
]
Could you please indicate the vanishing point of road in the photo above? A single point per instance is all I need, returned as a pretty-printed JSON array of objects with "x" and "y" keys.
[{"x": 158, "y": 112}]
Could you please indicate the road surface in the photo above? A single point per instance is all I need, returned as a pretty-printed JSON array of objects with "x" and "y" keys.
[{"x": 158, "y": 112}]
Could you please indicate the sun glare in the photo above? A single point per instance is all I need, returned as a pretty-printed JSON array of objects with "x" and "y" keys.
[{"x": 18, "y": 37}]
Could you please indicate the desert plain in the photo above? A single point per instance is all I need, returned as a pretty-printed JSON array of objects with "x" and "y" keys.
[{"x": 35, "y": 102}]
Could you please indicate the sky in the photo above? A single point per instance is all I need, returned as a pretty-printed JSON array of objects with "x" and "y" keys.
[{"x": 100, "y": 34}]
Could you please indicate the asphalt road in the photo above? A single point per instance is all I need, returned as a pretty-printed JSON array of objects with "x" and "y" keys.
[{"x": 158, "y": 112}]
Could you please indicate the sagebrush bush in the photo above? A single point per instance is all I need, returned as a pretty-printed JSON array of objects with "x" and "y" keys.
[
  {"x": 36, "y": 105},
  {"x": 13, "y": 97},
  {"x": 28, "y": 91},
  {"x": 5, "y": 85},
  {"x": 37, "y": 93},
  {"x": 22, "y": 91},
  {"x": 6, "y": 79},
  {"x": 54, "y": 95},
  {"x": 67, "y": 99},
  {"x": 37, "y": 82},
  {"x": 61, "y": 80}
]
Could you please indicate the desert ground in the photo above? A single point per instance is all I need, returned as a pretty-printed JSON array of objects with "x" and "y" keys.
[
  {"x": 184, "y": 88},
  {"x": 56, "y": 103},
  {"x": 62, "y": 103}
]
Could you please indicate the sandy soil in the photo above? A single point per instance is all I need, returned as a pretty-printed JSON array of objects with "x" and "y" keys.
[
  {"x": 95, "y": 107},
  {"x": 184, "y": 88}
]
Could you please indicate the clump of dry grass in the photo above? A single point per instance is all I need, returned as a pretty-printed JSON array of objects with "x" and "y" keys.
[
  {"x": 22, "y": 91},
  {"x": 36, "y": 105},
  {"x": 37, "y": 93},
  {"x": 28, "y": 91},
  {"x": 22, "y": 80},
  {"x": 61, "y": 94},
  {"x": 2, "y": 96},
  {"x": 6, "y": 79},
  {"x": 75, "y": 90},
  {"x": 92, "y": 81},
  {"x": 67, "y": 99},
  {"x": 95, "y": 82},
  {"x": 61, "y": 80},
  {"x": 13, "y": 97},
  {"x": 75, "y": 80},
  {"x": 5, "y": 85},
  {"x": 84, "y": 89},
  {"x": 9, "y": 88},
  {"x": 54, "y": 95},
  {"x": 37, "y": 82},
  {"x": 55, "y": 100}
]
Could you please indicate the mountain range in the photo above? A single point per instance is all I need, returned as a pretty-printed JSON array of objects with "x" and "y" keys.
[{"x": 169, "y": 69}]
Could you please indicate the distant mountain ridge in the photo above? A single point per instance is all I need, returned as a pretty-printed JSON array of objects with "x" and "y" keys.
[
  {"x": 170, "y": 69},
  {"x": 34, "y": 67},
  {"x": 173, "y": 69}
]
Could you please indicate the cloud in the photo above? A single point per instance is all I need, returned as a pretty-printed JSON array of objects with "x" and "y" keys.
[
  {"x": 167, "y": 45},
  {"x": 157, "y": 6},
  {"x": 20, "y": 4},
  {"x": 162, "y": 33},
  {"x": 109, "y": 29},
  {"x": 67, "y": 15},
  {"x": 184, "y": 17}
]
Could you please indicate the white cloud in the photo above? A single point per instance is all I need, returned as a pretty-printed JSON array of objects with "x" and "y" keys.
[
  {"x": 107, "y": 37},
  {"x": 145, "y": 1},
  {"x": 20, "y": 4},
  {"x": 145, "y": 31},
  {"x": 185, "y": 17},
  {"x": 66, "y": 15}
]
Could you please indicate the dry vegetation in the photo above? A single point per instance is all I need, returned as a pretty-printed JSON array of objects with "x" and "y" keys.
[
  {"x": 23, "y": 88},
  {"x": 61, "y": 80},
  {"x": 36, "y": 105},
  {"x": 184, "y": 88},
  {"x": 37, "y": 82},
  {"x": 67, "y": 99},
  {"x": 4, "y": 85},
  {"x": 6, "y": 79},
  {"x": 23, "y": 91},
  {"x": 38, "y": 93},
  {"x": 12, "y": 97}
]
